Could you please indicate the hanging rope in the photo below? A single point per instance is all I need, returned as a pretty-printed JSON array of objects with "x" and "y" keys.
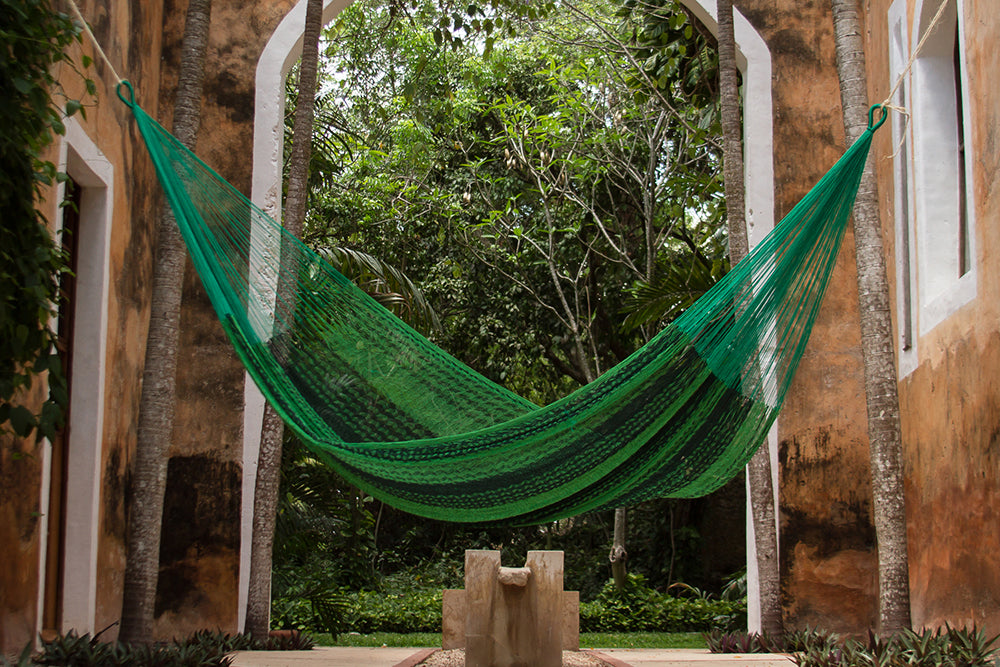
[{"x": 93, "y": 40}]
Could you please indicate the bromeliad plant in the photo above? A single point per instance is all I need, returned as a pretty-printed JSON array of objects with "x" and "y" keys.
[
  {"x": 947, "y": 647},
  {"x": 202, "y": 649}
]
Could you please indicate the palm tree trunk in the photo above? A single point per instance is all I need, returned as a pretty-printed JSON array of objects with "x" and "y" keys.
[
  {"x": 759, "y": 468},
  {"x": 886, "y": 448},
  {"x": 156, "y": 408},
  {"x": 272, "y": 430}
]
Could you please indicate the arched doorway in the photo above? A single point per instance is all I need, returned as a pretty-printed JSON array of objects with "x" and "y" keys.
[{"x": 283, "y": 50}]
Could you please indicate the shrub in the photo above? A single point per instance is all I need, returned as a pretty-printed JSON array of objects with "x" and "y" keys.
[
  {"x": 719, "y": 641},
  {"x": 954, "y": 647},
  {"x": 202, "y": 649},
  {"x": 638, "y": 608},
  {"x": 417, "y": 610},
  {"x": 73, "y": 650}
]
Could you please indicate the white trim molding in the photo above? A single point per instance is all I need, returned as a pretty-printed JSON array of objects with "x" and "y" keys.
[{"x": 93, "y": 172}]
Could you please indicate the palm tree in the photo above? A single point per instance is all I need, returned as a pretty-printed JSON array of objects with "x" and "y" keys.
[
  {"x": 885, "y": 440},
  {"x": 272, "y": 429},
  {"x": 156, "y": 408},
  {"x": 759, "y": 469}
]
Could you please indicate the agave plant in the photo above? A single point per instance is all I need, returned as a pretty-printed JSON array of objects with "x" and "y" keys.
[
  {"x": 742, "y": 642},
  {"x": 970, "y": 647}
]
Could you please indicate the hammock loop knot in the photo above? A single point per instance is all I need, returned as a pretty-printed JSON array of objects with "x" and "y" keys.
[
  {"x": 130, "y": 99},
  {"x": 873, "y": 123}
]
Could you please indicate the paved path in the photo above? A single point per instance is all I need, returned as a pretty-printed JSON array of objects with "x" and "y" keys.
[{"x": 408, "y": 657}]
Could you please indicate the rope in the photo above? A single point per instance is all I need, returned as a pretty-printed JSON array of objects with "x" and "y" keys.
[
  {"x": 913, "y": 57},
  {"x": 93, "y": 39}
]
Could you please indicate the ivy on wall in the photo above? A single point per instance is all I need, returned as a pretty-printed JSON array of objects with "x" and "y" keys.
[{"x": 33, "y": 40}]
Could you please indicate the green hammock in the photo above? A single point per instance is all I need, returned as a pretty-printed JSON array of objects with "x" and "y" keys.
[{"x": 413, "y": 426}]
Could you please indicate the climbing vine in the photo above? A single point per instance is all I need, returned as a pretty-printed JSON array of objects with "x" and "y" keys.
[{"x": 33, "y": 41}]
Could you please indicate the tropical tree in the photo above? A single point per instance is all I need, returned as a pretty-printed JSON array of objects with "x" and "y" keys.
[
  {"x": 885, "y": 439},
  {"x": 545, "y": 192},
  {"x": 759, "y": 469},
  {"x": 156, "y": 408}
]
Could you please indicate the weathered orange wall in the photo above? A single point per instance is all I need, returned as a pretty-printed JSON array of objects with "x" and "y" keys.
[
  {"x": 129, "y": 32},
  {"x": 826, "y": 550},
  {"x": 950, "y": 405},
  {"x": 199, "y": 555},
  {"x": 20, "y": 525}
]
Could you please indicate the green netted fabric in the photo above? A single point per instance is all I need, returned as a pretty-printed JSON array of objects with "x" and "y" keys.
[{"x": 410, "y": 424}]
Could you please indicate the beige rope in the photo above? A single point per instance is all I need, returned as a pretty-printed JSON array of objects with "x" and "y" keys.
[
  {"x": 903, "y": 111},
  {"x": 93, "y": 39},
  {"x": 913, "y": 56}
]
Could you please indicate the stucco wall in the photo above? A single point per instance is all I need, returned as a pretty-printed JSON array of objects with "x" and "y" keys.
[
  {"x": 129, "y": 32},
  {"x": 200, "y": 550},
  {"x": 199, "y": 555},
  {"x": 826, "y": 543},
  {"x": 950, "y": 404}
]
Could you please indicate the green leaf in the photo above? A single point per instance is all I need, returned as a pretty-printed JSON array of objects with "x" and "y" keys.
[{"x": 21, "y": 420}]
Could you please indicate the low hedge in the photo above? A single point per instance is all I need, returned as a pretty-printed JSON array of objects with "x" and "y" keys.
[
  {"x": 418, "y": 610},
  {"x": 637, "y": 608}
]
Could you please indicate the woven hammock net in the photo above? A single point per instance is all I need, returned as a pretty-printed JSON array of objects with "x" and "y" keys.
[{"x": 402, "y": 419}]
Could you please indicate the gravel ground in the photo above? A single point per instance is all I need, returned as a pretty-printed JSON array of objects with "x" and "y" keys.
[{"x": 456, "y": 658}]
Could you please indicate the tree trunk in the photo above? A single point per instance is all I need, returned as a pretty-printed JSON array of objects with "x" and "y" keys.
[
  {"x": 619, "y": 556},
  {"x": 156, "y": 408},
  {"x": 272, "y": 430},
  {"x": 759, "y": 468},
  {"x": 886, "y": 448},
  {"x": 732, "y": 134}
]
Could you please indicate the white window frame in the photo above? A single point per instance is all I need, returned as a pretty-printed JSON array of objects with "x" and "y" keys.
[
  {"x": 936, "y": 198},
  {"x": 906, "y": 274}
]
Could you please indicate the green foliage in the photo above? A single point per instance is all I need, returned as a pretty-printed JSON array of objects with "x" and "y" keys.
[
  {"x": 72, "y": 650},
  {"x": 415, "y": 610},
  {"x": 33, "y": 39},
  {"x": 637, "y": 608},
  {"x": 641, "y": 640},
  {"x": 376, "y": 639},
  {"x": 524, "y": 191},
  {"x": 442, "y": 162},
  {"x": 678, "y": 54},
  {"x": 719, "y": 641},
  {"x": 950, "y": 647},
  {"x": 202, "y": 649},
  {"x": 587, "y": 639}
]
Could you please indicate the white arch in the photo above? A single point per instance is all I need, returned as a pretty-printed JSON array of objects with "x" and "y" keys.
[
  {"x": 284, "y": 48},
  {"x": 754, "y": 61}
]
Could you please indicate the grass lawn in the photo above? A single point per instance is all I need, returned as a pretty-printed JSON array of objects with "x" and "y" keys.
[{"x": 587, "y": 639}]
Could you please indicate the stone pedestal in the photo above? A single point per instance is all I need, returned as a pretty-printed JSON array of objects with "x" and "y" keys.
[{"x": 512, "y": 617}]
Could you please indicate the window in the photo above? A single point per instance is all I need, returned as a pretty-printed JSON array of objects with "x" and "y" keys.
[{"x": 934, "y": 219}]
